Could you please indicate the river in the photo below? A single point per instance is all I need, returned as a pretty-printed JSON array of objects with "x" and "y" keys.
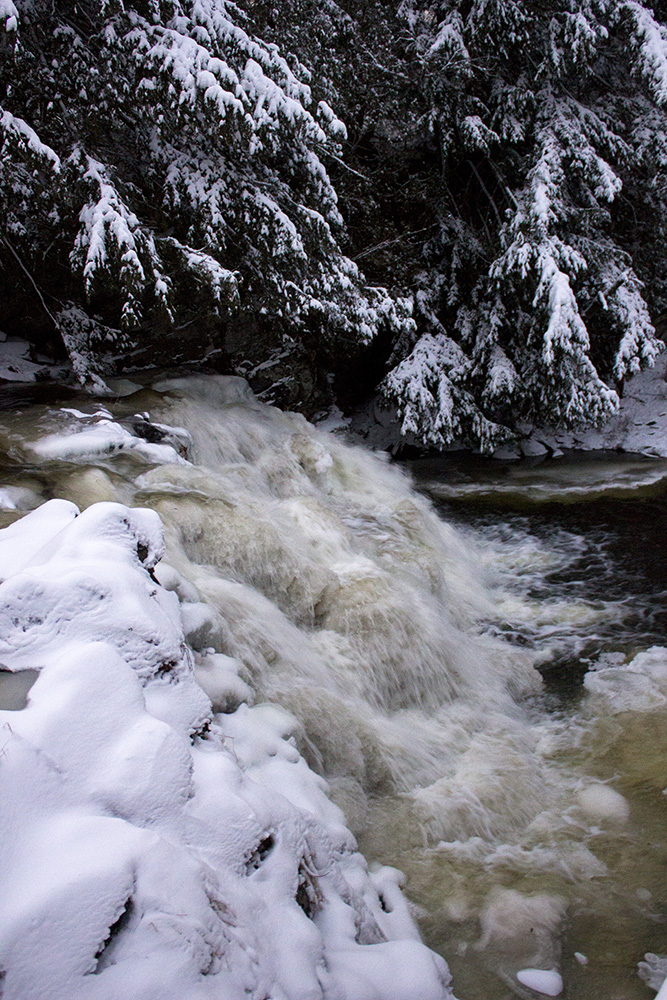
[
  {"x": 579, "y": 544},
  {"x": 463, "y": 645}
]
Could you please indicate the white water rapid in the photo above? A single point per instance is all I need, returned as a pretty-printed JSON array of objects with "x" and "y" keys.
[{"x": 313, "y": 576}]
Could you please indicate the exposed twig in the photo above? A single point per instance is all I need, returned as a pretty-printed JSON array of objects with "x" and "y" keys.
[
  {"x": 343, "y": 164},
  {"x": 486, "y": 192},
  {"x": 388, "y": 243},
  {"x": 31, "y": 280}
]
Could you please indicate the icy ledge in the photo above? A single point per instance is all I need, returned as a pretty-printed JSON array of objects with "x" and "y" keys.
[{"x": 146, "y": 849}]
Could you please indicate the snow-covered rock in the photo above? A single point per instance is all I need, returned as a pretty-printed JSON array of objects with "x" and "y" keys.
[
  {"x": 152, "y": 848},
  {"x": 85, "y": 436}
]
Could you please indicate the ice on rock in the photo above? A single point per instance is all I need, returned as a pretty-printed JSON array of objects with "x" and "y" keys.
[
  {"x": 86, "y": 436},
  {"x": 653, "y": 971},
  {"x": 546, "y": 981},
  {"x": 18, "y": 498},
  {"x": 638, "y": 686},
  {"x": 151, "y": 848}
]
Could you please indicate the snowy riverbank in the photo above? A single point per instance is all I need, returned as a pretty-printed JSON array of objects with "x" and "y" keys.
[
  {"x": 639, "y": 427},
  {"x": 146, "y": 848}
]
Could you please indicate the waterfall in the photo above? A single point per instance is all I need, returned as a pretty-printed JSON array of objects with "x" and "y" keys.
[{"x": 310, "y": 575}]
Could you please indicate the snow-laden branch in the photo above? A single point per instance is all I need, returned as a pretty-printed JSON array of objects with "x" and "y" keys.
[
  {"x": 431, "y": 405},
  {"x": 650, "y": 42},
  {"x": 18, "y": 131},
  {"x": 9, "y": 16},
  {"x": 112, "y": 239}
]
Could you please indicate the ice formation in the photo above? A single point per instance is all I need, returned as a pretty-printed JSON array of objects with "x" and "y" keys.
[
  {"x": 545, "y": 981},
  {"x": 653, "y": 970},
  {"x": 637, "y": 686},
  {"x": 147, "y": 848}
]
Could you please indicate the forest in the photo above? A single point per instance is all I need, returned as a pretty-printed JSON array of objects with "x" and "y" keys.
[{"x": 455, "y": 207}]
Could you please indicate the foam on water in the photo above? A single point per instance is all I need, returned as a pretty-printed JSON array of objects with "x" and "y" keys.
[{"x": 313, "y": 576}]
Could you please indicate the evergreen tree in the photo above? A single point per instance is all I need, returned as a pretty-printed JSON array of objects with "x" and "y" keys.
[
  {"x": 536, "y": 293},
  {"x": 161, "y": 172},
  {"x": 505, "y": 166},
  {"x": 183, "y": 169}
]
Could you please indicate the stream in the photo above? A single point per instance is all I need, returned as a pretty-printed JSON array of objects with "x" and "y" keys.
[
  {"x": 471, "y": 652},
  {"x": 575, "y": 548}
]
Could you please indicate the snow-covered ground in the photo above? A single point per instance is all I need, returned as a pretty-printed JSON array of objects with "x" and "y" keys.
[
  {"x": 16, "y": 364},
  {"x": 152, "y": 848},
  {"x": 639, "y": 427}
]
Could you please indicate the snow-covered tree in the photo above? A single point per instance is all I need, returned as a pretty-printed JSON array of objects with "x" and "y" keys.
[
  {"x": 505, "y": 165},
  {"x": 162, "y": 178},
  {"x": 178, "y": 172},
  {"x": 549, "y": 123}
]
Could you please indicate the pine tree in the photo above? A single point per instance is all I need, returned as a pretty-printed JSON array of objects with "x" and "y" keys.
[
  {"x": 161, "y": 170},
  {"x": 536, "y": 298},
  {"x": 178, "y": 172}
]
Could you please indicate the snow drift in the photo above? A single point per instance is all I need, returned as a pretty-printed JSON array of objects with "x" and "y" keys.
[{"x": 147, "y": 850}]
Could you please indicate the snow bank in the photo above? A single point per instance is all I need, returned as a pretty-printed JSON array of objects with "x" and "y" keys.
[
  {"x": 15, "y": 363},
  {"x": 147, "y": 849},
  {"x": 639, "y": 427}
]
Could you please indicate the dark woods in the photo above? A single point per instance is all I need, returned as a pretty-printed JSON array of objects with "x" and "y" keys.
[{"x": 462, "y": 204}]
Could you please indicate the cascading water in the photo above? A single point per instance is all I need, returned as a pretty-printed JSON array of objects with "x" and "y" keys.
[{"x": 311, "y": 574}]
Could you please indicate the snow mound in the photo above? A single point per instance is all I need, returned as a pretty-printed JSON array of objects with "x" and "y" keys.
[
  {"x": 150, "y": 847},
  {"x": 638, "y": 686}
]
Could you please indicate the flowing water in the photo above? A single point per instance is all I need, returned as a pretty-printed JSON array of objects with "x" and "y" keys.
[{"x": 466, "y": 661}]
